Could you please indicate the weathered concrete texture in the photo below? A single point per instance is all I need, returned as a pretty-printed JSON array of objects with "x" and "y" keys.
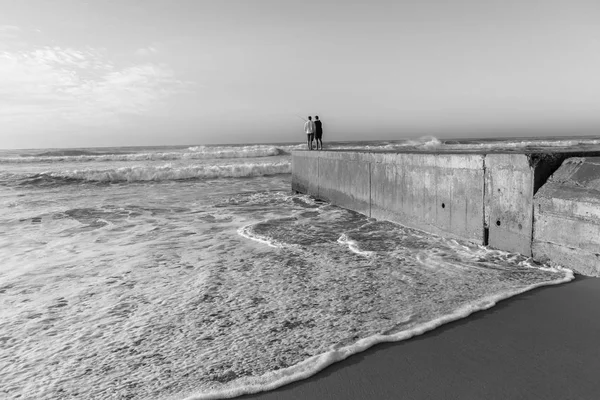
[
  {"x": 345, "y": 183},
  {"x": 440, "y": 194},
  {"x": 437, "y": 193},
  {"x": 340, "y": 178},
  {"x": 509, "y": 181},
  {"x": 305, "y": 172},
  {"x": 567, "y": 217}
]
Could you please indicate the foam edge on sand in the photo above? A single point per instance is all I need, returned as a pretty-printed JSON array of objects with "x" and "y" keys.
[{"x": 313, "y": 365}]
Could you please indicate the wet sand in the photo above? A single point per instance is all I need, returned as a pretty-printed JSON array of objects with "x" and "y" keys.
[{"x": 543, "y": 344}]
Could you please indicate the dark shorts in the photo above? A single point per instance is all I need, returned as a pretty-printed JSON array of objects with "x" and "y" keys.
[
  {"x": 311, "y": 136},
  {"x": 318, "y": 136}
]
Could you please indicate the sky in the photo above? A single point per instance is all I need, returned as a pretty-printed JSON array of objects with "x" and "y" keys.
[{"x": 178, "y": 72}]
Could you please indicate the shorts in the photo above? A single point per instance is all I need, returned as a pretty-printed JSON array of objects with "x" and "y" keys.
[
  {"x": 311, "y": 136},
  {"x": 318, "y": 136}
]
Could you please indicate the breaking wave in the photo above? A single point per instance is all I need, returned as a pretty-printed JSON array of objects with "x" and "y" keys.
[
  {"x": 158, "y": 173},
  {"x": 251, "y": 149},
  {"x": 431, "y": 142},
  {"x": 521, "y": 144},
  {"x": 255, "y": 151},
  {"x": 193, "y": 153}
]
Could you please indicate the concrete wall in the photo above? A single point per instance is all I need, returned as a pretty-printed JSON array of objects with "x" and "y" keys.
[
  {"x": 441, "y": 194},
  {"x": 345, "y": 181},
  {"x": 305, "y": 172},
  {"x": 567, "y": 217},
  {"x": 487, "y": 199},
  {"x": 509, "y": 182}
]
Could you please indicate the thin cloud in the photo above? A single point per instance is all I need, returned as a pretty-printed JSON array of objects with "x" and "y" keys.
[
  {"x": 51, "y": 85},
  {"x": 9, "y": 29},
  {"x": 146, "y": 51},
  {"x": 9, "y": 32}
]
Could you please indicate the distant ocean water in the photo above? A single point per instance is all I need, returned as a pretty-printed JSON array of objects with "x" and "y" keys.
[{"x": 193, "y": 271}]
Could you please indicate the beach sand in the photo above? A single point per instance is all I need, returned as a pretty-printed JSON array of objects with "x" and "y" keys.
[{"x": 542, "y": 344}]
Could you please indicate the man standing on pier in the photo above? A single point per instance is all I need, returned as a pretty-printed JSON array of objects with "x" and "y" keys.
[
  {"x": 318, "y": 132},
  {"x": 309, "y": 129}
]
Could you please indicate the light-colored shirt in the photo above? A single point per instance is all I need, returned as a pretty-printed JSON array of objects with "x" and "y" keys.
[{"x": 309, "y": 127}]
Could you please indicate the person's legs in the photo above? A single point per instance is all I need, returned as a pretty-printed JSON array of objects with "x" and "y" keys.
[
  {"x": 312, "y": 137},
  {"x": 308, "y": 142},
  {"x": 320, "y": 141}
]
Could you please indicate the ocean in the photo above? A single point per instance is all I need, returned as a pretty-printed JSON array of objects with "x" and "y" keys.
[{"x": 193, "y": 272}]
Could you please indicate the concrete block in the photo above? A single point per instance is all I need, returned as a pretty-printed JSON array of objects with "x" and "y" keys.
[
  {"x": 509, "y": 184},
  {"x": 567, "y": 217}
]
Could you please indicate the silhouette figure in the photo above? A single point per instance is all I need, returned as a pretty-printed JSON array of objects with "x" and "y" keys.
[{"x": 318, "y": 132}]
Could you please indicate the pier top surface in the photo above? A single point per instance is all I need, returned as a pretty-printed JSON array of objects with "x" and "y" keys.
[{"x": 572, "y": 151}]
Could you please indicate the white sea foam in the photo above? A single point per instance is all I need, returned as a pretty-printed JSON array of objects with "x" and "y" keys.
[
  {"x": 525, "y": 143},
  {"x": 427, "y": 142},
  {"x": 247, "y": 232},
  {"x": 251, "y": 151},
  {"x": 157, "y": 291},
  {"x": 431, "y": 142},
  {"x": 353, "y": 246},
  {"x": 258, "y": 149},
  {"x": 165, "y": 172},
  {"x": 195, "y": 153},
  {"x": 312, "y": 365},
  {"x": 120, "y": 283}
]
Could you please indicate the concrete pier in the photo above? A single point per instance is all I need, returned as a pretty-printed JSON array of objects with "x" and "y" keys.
[
  {"x": 485, "y": 198},
  {"x": 567, "y": 216}
]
